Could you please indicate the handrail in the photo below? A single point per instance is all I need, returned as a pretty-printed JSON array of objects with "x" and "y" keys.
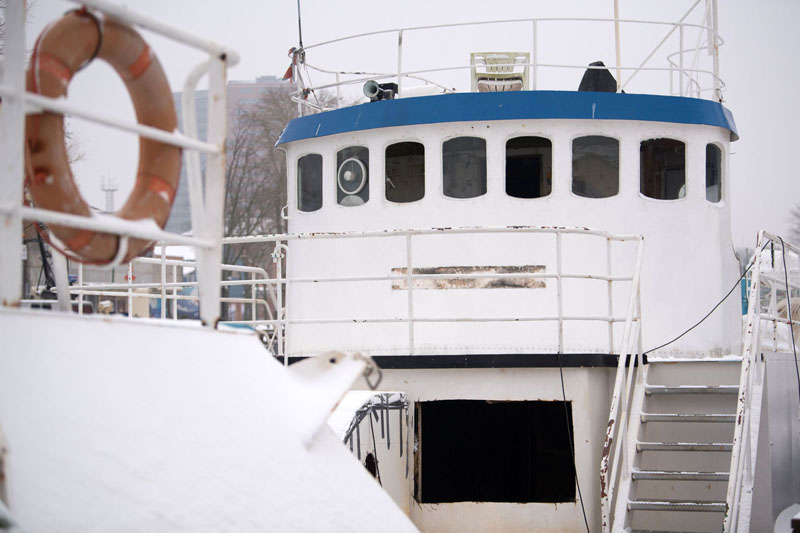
[
  {"x": 745, "y": 439},
  {"x": 706, "y": 26},
  {"x": 209, "y": 204},
  {"x": 613, "y": 446}
]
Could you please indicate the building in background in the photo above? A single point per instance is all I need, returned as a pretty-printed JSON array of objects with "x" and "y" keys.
[{"x": 239, "y": 93}]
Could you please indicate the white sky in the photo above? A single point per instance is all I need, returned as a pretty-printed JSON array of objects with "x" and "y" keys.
[{"x": 756, "y": 64}]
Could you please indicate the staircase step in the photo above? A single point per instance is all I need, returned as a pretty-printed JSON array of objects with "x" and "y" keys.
[
  {"x": 679, "y": 476},
  {"x": 675, "y": 417},
  {"x": 691, "y": 389},
  {"x": 684, "y": 446},
  {"x": 676, "y": 505}
]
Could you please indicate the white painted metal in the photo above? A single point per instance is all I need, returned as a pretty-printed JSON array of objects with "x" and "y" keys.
[
  {"x": 760, "y": 322},
  {"x": 12, "y": 122}
]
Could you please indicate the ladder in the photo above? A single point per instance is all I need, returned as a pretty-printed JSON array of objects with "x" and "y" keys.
[{"x": 680, "y": 440}]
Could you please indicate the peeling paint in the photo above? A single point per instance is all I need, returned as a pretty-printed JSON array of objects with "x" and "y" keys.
[{"x": 458, "y": 282}]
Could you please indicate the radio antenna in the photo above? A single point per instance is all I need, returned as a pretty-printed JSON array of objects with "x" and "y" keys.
[{"x": 299, "y": 25}]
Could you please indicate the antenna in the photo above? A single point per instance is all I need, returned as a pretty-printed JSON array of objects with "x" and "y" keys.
[
  {"x": 109, "y": 186},
  {"x": 299, "y": 25}
]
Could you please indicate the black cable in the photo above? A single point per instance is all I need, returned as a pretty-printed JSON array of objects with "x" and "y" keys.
[
  {"x": 571, "y": 442},
  {"x": 746, "y": 270},
  {"x": 789, "y": 311}
]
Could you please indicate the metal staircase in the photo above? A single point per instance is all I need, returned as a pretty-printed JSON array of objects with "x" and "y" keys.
[{"x": 680, "y": 440}]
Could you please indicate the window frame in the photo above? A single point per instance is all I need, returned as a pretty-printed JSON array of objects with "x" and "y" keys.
[
  {"x": 686, "y": 168},
  {"x": 504, "y": 147},
  {"x": 297, "y": 182},
  {"x": 722, "y": 187},
  {"x": 368, "y": 165},
  {"x": 619, "y": 165},
  {"x": 425, "y": 167},
  {"x": 442, "y": 142}
]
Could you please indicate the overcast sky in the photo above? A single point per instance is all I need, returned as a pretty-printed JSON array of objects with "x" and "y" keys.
[{"x": 756, "y": 64}]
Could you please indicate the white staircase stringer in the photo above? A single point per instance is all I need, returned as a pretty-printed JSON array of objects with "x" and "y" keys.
[
  {"x": 745, "y": 501},
  {"x": 620, "y": 518}
]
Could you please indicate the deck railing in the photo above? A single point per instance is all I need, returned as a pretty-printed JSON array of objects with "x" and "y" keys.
[
  {"x": 774, "y": 281},
  {"x": 617, "y": 459},
  {"x": 689, "y": 73},
  {"x": 207, "y": 196}
]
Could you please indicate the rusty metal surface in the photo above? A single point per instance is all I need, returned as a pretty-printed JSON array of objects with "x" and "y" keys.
[{"x": 460, "y": 277}]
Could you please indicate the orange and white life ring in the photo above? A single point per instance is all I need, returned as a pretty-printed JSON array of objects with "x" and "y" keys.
[{"x": 61, "y": 50}]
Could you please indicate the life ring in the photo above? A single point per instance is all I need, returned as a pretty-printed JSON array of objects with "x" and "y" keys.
[{"x": 61, "y": 50}]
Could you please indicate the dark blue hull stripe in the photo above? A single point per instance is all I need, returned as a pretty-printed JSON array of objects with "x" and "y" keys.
[{"x": 522, "y": 105}]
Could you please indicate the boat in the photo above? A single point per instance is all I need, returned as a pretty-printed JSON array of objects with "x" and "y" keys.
[{"x": 501, "y": 308}]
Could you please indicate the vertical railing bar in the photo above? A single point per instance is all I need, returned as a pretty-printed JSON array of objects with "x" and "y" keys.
[
  {"x": 410, "y": 287},
  {"x": 253, "y": 310},
  {"x": 680, "y": 58},
  {"x": 175, "y": 292},
  {"x": 338, "y": 91},
  {"x": 80, "y": 284},
  {"x": 209, "y": 260},
  {"x": 534, "y": 78},
  {"x": 163, "y": 280},
  {"x": 610, "y": 297},
  {"x": 130, "y": 289},
  {"x": 399, "y": 62},
  {"x": 559, "y": 294},
  {"x": 279, "y": 312}
]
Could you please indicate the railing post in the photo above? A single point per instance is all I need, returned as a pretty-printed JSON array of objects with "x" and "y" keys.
[
  {"x": 410, "y": 287},
  {"x": 399, "y": 62},
  {"x": 80, "y": 292},
  {"x": 559, "y": 295},
  {"x": 535, "y": 56},
  {"x": 12, "y": 129},
  {"x": 253, "y": 310},
  {"x": 610, "y": 298},
  {"x": 130, "y": 289},
  {"x": 209, "y": 259},
  {"x": 680, "y": 58},
  {"x": 163, "y": 280},
  {"x": 175, "y": 292}
]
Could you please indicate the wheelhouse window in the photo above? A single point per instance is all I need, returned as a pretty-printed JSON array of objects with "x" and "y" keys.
[
  {"x": 405, "y": 172},
  {"x": 595, "y": 166},
  {"x": 309, "y": 183},
  {"x": 352, "y": 176},
  {"x": 494, "y": 451},
  {"x": 713, "y": 173},
  {"x": 662, "y": 169},
  {"x": 464, "y": 167},
  {"x": 528, "y": 167}
]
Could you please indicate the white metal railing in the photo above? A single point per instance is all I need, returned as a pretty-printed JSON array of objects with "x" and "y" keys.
[
  {"x": 207, "y": 199},
  {"x": 692, "y": 78},
  {"x": 410, "y": 275},
  {"x": 774, "y": 279},
  {"x": 617, "y": 459}
]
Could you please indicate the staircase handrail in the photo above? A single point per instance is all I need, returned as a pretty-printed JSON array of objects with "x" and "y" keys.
[
  {"x": 613, "y": 447},
  {"x": 745, "y": 437}
]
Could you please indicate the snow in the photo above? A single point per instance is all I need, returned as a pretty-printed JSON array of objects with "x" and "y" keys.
[{"x": 125, "y": 425}]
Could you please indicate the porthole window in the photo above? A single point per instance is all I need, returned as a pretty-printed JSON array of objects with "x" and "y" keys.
[
  {"x": 464, "y": 167},
  {"x": 528, "y": 167},
  {"x": 713, "y": 173},
  {"x": 595, "y": 166},
  {"x": 309, "y": 182},
  {"x": 352, "y": 176},
  {"x": 662, "y": 169},
  {"x": 405, "y": 172}
]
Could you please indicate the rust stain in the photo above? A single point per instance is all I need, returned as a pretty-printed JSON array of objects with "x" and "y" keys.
[
  {"x": 604, "y": 459},
  {"x": 470, "y": 283}
]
